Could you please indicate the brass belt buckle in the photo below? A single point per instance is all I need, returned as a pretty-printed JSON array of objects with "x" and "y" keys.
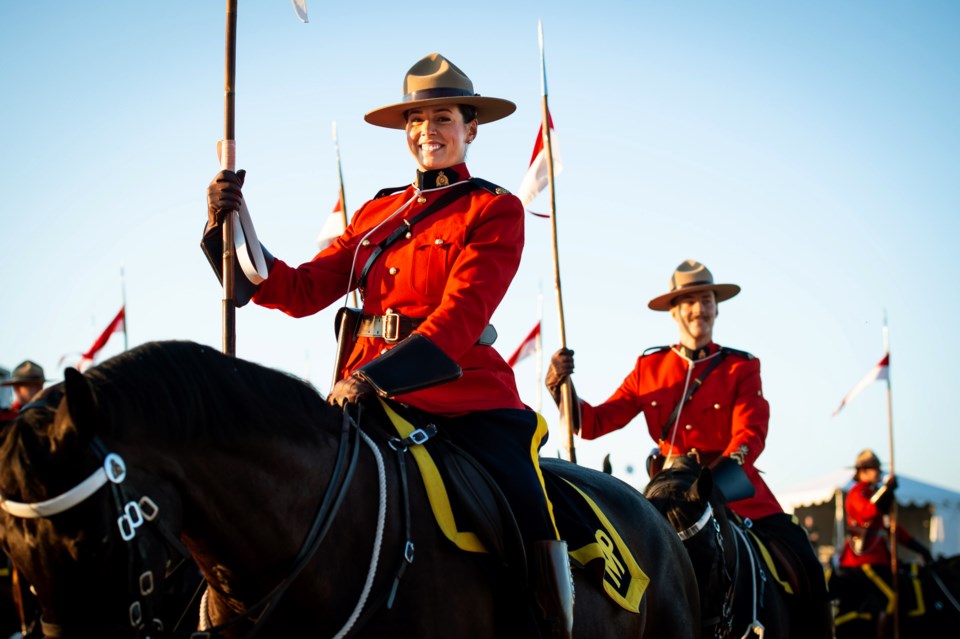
[{"x": 391, "y": 327}]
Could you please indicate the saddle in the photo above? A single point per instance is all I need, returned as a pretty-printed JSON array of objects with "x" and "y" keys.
[
  {"x": 473, "y": 513},
  {"x": 781, "y": 562}
]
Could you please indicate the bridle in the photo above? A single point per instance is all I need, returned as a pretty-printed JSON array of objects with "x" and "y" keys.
[
  {"x": 132, "y": 513},
  {"x": 722, "y": 624}
]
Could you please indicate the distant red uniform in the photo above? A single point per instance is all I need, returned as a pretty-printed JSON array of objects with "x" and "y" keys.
[
  {"x": 867, "y": 522},
  {"x": 453, "y": 270},
  {"x": 728, "y": 414}
]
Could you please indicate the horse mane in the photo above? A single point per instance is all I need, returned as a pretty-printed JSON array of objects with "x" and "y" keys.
[
  {"x": 670, "y": 482},
  {"x": 182, "y": 390}
]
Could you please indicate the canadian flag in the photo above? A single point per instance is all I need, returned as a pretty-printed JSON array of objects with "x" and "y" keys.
[
  {"x": 529, "y": 346},
  {"x": 537, "y": 177},
  {"x": 880, "y": 371},
  {"x": 117, "y": 325},
  {"x": 333, "y": 227}
]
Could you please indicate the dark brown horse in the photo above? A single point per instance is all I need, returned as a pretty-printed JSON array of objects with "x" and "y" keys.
[
  {"x": 291, "y": 508},
  {"x": 738, "y": 596},
  {"x": 929, "y": 598},
  {"x": 177, "y": 600}
]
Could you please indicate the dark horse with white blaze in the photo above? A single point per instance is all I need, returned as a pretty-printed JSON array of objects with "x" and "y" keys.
[
  {"x": 738, "y": 595},
  {"x": 291, "y": 508}
]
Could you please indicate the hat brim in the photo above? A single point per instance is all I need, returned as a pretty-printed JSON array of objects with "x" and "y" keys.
[
  {"x": 665, "y": 302},
  {"x": 488, "y": 110},
  {"x": 21, "y": 380}
]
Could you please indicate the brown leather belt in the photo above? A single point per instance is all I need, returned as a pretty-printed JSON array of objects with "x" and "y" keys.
[{"x": 393, "y": 327}]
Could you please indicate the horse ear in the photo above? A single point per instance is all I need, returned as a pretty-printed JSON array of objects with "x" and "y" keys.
[
  {"x": 81, "y": 402},
  {"x": 702, "y": 488}
]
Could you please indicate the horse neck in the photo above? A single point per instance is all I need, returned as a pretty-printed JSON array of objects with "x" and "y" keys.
[{"x": 275, "y": 495}]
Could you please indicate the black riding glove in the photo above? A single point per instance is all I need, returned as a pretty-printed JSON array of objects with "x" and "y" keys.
[
  {"x": 561, "y": 366},
  {"x": 883, "y": 498},
  {"x": 224, "y": 195}
]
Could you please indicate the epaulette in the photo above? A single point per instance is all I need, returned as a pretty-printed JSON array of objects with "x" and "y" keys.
[
  {"x": 489, "y": 186},
  {"x": 389, "y": 191},
  {"x": 733, "y": 351},
  {"x": 654, "y": 349}
]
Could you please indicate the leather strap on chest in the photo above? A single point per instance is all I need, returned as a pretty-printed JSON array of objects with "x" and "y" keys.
[
  {"x": 665, "y": 432},
  {"x": 447, "y": 198}
]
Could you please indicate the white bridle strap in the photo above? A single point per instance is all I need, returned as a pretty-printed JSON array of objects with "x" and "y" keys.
[
  {"x": 697, "y": 527},
  {"x": 113, "y": 469}
]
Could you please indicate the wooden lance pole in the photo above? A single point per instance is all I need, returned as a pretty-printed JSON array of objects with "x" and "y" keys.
[
  {"x": 228, "y": 161},
  {"x": 893, "y": 506},
  {"x": 567, "y": 407}
]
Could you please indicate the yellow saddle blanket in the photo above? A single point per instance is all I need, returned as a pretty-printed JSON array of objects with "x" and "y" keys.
[{"x": 595, "y": 545}]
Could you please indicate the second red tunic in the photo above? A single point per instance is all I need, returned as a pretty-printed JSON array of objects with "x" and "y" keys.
[{"x": 727, "y": 415}]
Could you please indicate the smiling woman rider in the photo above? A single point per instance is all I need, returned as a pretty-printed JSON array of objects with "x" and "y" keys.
[{"x": 432, "y": 261}]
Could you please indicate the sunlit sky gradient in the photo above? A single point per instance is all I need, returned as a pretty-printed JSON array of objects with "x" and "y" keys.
[{"x": 806, "y": 151}]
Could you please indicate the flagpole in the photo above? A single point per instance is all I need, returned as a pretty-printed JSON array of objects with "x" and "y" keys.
[
  {"x": 123, "y": 300},
  {"x": 566, "y": 389},
  {"x": 343, "y": 195},
  {"x": 893, "y": 508},
  {"x": 539, "y": 350},
  {"x": 228, "y": 161}
]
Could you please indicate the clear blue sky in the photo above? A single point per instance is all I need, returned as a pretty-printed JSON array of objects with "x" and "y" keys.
[{"x": 806, "y": 151}]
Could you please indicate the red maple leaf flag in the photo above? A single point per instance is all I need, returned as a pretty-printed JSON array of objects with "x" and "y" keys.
[
  {"x": 333, "y": 227},
  {"x": 117, "y": 325},
  {"x": 537, "y": 178},
  {"x": 529, "y": 346},
  {"x": 880, "y": 371}
]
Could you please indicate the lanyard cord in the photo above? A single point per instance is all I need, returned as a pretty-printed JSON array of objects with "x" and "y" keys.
[{"x": 686, "y": 386}]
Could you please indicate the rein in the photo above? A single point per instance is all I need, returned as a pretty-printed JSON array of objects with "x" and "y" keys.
[
  {"x": 944, "y": 589},
  {"x": 336, "y": 491},
  {"x": 133, "y": 512},
  {"x": 723, "y": 624}
]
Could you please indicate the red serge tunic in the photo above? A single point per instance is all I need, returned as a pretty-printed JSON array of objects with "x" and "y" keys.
[
  {"x": 863, "y": 514},
  {"x": 453, "y": 271},
  {"x": 728, "y": 413}
]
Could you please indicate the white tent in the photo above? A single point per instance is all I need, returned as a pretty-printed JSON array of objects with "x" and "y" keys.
[{"x": 935, "y": 509}]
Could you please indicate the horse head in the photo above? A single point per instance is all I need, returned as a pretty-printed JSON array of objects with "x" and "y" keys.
[
  {"x": 685, "y": 493},
  {"x": 70, "y": 518}
]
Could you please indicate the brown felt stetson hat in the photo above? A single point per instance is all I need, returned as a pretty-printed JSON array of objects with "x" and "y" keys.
[
  {"x": 867, "y": 459},
  {"x": 26, "y": 373},
  {"x": 436, "y": 80},
  {"x": 691, "y": 277}
]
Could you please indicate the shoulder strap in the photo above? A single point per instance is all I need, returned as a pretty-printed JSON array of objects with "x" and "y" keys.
[
  {"x": 733, "y": 351},
  {"x": 489, "y": 186},
  {"x": 693, "y": 389},
  {"x": 388, "y": 191},
  {"x": 450, "y": 196},
  {"x": 654, "y": 349}
]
